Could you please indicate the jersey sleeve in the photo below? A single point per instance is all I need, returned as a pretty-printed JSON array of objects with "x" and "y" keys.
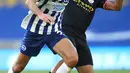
[{"x": 100, "y": 3}]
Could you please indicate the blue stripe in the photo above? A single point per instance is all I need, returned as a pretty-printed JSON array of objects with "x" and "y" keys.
[
  {"x": 46, "y": 28},
  {"x": 38, "y": 25},
  {"x": 40, "y": 21},
  {"x": 53, "y": 13},
  {"x": 31, "y": 22}
]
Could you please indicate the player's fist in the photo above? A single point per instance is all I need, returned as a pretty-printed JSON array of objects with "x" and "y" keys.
[{"x": 46, "y": 18}]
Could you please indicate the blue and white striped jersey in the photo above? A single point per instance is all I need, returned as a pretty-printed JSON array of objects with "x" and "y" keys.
[{"x": 54, "y": 8}]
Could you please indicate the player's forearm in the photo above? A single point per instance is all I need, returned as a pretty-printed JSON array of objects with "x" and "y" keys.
[
  {"x": 118, "y": 4},
  {"x": 113, "y": 5},
  {"x": 33, "y": 7}
]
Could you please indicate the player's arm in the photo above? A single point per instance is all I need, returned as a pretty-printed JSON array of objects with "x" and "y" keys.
[
  {"x": 113, "y": 5},
  {"x": 34, "y": 8}
]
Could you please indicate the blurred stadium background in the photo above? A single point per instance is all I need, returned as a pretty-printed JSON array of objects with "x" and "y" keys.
[{"x": 108, "y": 37}]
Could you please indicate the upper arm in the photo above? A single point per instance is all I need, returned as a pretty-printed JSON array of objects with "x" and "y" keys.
[{"x": 112, "y": 5}]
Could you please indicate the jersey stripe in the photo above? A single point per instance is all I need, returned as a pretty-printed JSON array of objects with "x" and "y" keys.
[
  {"x": 34, "y": 24},
  {"x": 56, "y": 25},
  {"x": 50, "y": 27},
  {"x": 55, "y": 18},
  {"x": 41, "y": 28},
  {"x": 46, "y": 28},
  {"x": 38, "y": 26},
  {"x": 31, "y": 21},
  {"x": 60, "y": 22},
  {"x": 40, "y": 21}
]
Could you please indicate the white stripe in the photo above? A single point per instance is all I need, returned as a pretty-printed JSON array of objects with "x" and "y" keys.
[
  {"x": 33, "y": 28},
  {"x": 56, "y": 27},
  {"x": 41, "y": 28},
  {"x": 26, "y": 21},
  {"x": 49, "y": 29}
]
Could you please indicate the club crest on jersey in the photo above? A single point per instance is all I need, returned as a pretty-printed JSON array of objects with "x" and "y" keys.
[
  {"x": 23, "y": 47},
  {"x": 91, "y": 1}
]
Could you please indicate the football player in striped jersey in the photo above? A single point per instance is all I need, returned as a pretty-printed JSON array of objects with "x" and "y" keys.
[{"x": 43, "y": 26}]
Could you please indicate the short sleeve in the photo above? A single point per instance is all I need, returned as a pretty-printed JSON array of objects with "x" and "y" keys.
[{"x": 100, "y": 3}]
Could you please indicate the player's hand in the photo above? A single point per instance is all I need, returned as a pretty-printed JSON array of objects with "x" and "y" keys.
[{"x": 46, "y": 18}]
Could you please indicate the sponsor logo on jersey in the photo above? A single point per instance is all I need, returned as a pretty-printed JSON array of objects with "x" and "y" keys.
[
  {"x": 58, "y": 7},
  {"x": 85, "y": 6}
]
